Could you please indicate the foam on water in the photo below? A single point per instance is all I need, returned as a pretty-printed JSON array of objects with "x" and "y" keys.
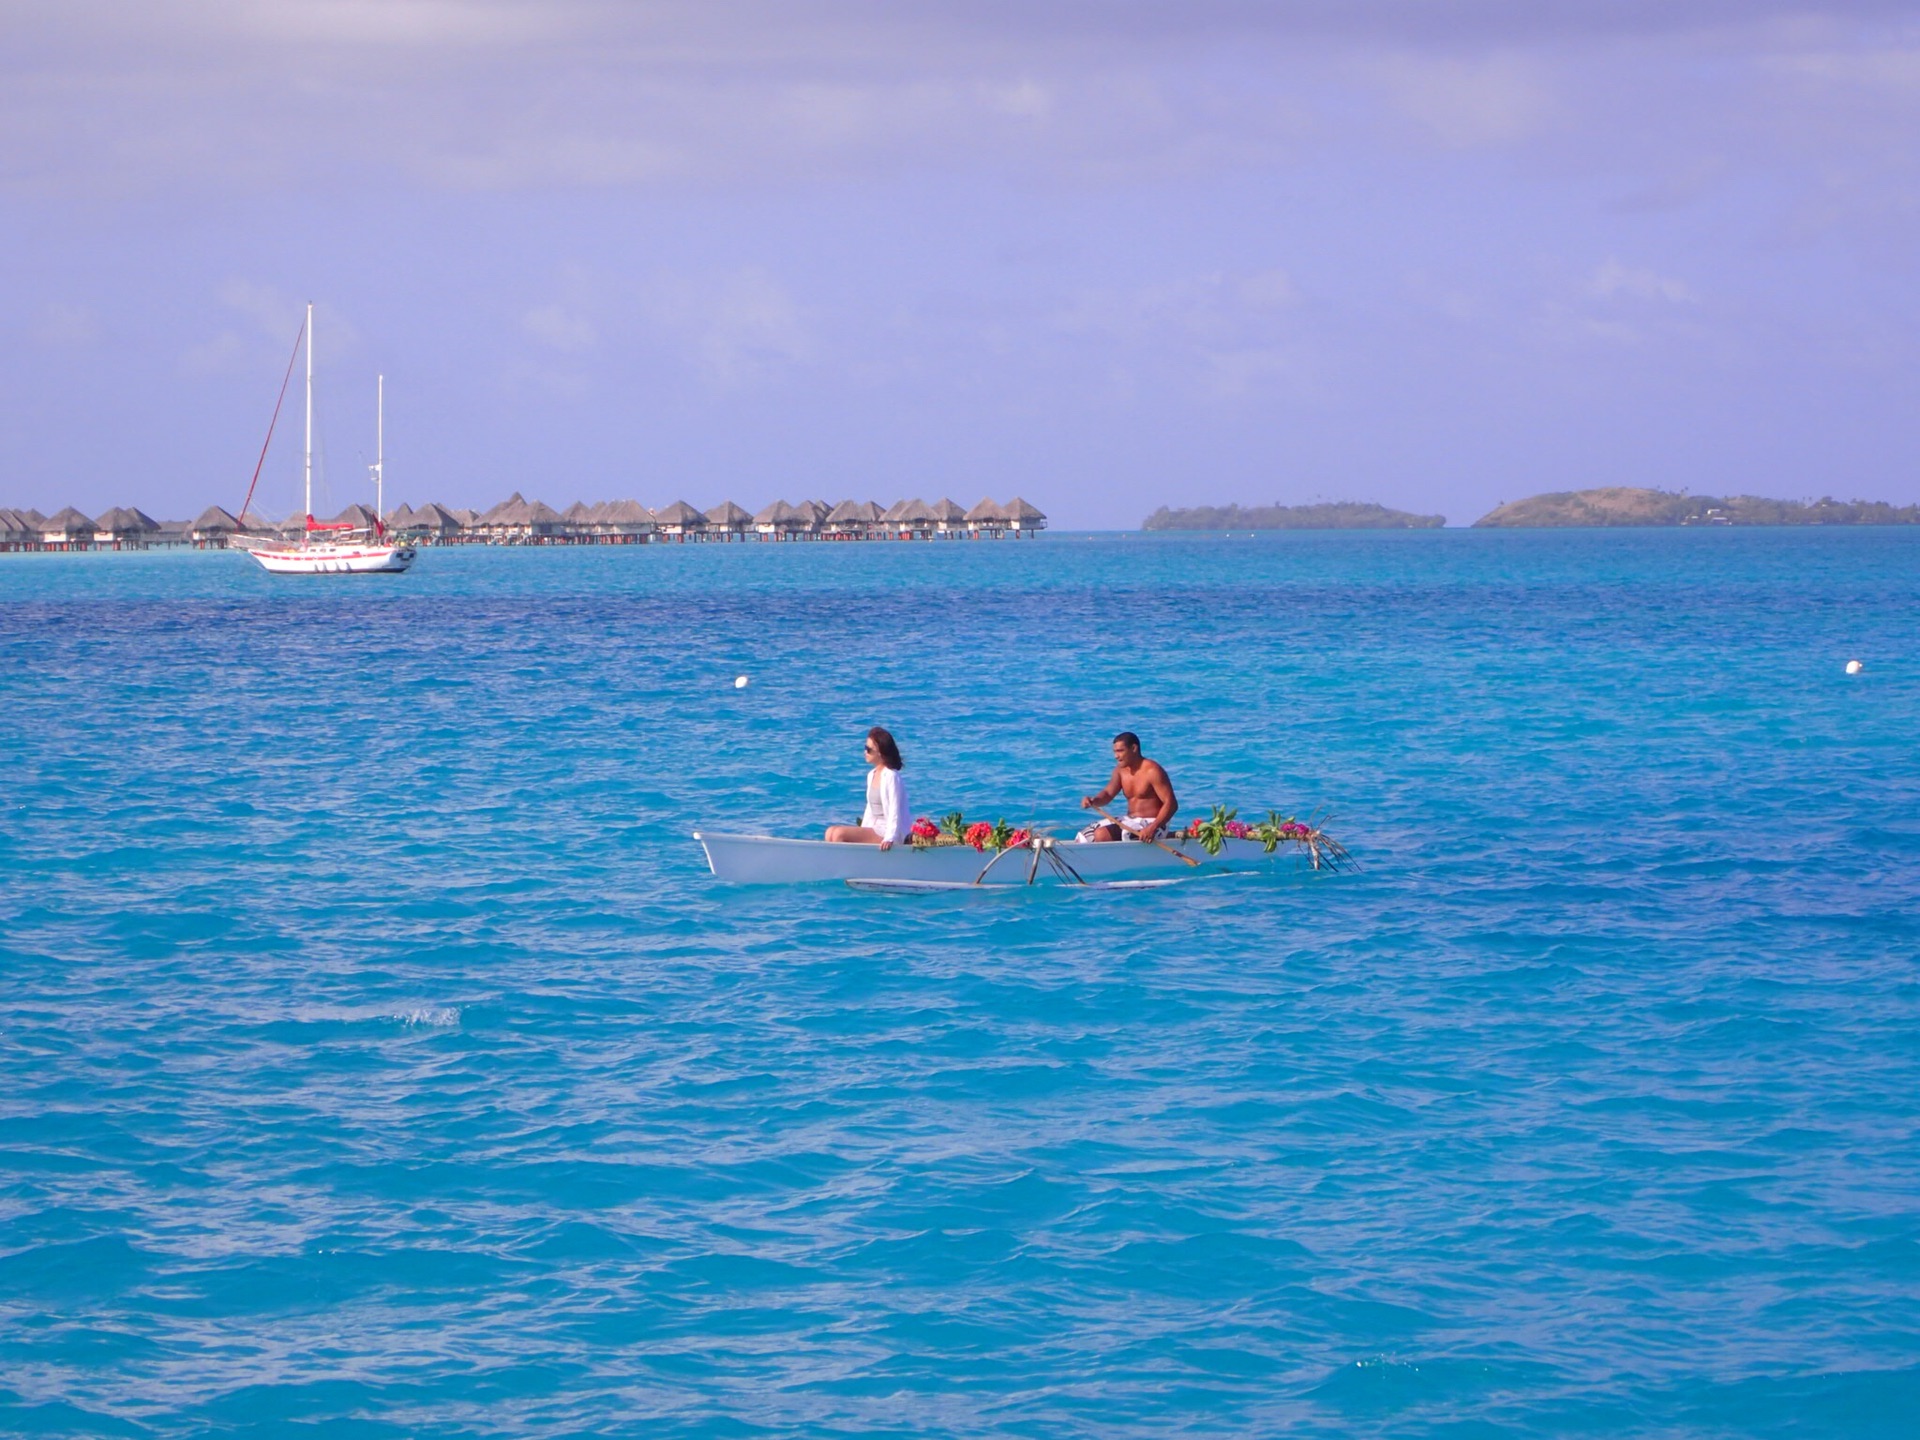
[{"x": 378, "y": 1057}]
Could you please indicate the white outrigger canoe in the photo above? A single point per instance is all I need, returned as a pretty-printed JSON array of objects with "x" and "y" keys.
[{"x": 768, "y": 860}]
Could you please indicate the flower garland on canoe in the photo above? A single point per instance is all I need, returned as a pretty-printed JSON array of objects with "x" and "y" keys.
[{"x": 1211, "y": 833}]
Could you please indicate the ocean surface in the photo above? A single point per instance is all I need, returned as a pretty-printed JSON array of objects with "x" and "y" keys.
[{"x": 377, "y": 1057}]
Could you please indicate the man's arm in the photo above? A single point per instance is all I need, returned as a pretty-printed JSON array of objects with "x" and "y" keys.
[{"x": 1101, "y": 797}]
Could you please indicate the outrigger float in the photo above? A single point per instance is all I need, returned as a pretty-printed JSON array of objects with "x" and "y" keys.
[{"x": 943, "y": 861}]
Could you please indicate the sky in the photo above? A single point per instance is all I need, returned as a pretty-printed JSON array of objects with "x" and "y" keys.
[{"x": 1102, "y": 254}]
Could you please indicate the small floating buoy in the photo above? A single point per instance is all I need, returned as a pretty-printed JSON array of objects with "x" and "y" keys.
[
  {"x": 739, "y": 682},
  {"x": 1854, "y": 667}
]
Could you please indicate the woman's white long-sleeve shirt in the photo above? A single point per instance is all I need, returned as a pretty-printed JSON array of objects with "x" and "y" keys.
[{"x": 886, "y": 805}]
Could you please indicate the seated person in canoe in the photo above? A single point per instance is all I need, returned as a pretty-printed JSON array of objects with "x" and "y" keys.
[
  {"x": 886, "y": 819},
  {"x": 1150, "y": 800}
]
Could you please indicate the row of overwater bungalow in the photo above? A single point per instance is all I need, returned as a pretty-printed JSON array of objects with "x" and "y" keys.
[{"x": 516, "y": 521}]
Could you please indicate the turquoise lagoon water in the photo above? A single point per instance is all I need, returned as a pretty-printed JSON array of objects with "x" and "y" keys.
[{"x": 378, "y": 1059}]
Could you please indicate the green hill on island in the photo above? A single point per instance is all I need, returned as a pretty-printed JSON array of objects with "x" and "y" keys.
[
  {"x": 1626, "y": 505},
  {"x": 1330, "y": 515}
]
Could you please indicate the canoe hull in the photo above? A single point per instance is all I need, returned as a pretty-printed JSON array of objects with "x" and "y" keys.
[{"x": 767, "y": 860}]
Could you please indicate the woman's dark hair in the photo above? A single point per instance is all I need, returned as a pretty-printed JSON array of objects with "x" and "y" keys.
[{"x": 889, "y": 752}]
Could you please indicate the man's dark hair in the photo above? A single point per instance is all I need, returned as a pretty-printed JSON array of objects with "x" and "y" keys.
[{"x": 1128, "y": 739}]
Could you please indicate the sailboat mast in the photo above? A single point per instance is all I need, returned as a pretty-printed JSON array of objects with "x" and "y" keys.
[
  {"x": 308, "y": 468},
  {"x": 380, "y": 449}
]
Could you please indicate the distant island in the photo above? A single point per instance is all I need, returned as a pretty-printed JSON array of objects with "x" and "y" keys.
[
  {"x": 1329, "y": 515},
  {"x": 1625, "y": 505}
]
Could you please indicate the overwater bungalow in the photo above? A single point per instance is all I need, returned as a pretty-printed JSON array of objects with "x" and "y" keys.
[
  {"x": 813, "y": 515},
  {"x": 986, "y": 518},
  {"x": 911, "y": 520},
  {"x": 852, "y": 520},
  {"x": 356, "y": 517},
  {"x": 678, "y": 521},
  {"x": 949, "y": 520},
  {"x": 213, "y": 529},
  {"x": 626, "y": 522},
  {"x": 69, "y": 530},
  {"x": 435, "y": 524},
  {"x": 516, "y": 521},
  {"x": 1023, "y": 519},
  {"x": 728, "y": 521},
  {"x": 124, "y": 528},
  {"x": 779, "y": 521},
  {"x": 495, "y": 526},
  {"x": 16, "y": 533}
]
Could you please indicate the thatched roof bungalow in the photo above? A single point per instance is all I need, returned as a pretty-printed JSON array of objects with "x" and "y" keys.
[
  {"x": 435, "y": 521},
  {"x": 356, "y": 516},
  {"x": 727, "y": 521},
  {"x": 626, "y": 520},
  {"x": 69, "y": 530},
  {"x": 1022, "y": 518},
  {"x": 781, "y": 521},
  {"x": 516, "y": 521},
  {"x": 214, "y": 527},
  {"x": 987, "y": 518},
  {"x": 948, "y": 518},
  {"x": 679, "y": 520},
  {"x": 124, "y": 526},
  {"x": 915, "y": 520},
  {"x": 852, "y": 520}
]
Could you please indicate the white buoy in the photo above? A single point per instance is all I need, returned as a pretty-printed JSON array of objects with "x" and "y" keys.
[
  {"x": 1854, "y": 667},
  {"x": 739, "y": 682}
]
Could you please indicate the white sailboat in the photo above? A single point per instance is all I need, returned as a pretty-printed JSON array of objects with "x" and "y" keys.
[{"x": 333, "y": 549}]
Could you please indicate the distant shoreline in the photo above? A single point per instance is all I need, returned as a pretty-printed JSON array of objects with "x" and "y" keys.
[
  {"x": 1621, "y": 506},
  {"x": 1607, "y": 507},
  {"x": 1327, "y": 515}
]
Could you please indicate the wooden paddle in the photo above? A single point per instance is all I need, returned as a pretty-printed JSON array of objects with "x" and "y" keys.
[{"x": 1188, "y": 859}]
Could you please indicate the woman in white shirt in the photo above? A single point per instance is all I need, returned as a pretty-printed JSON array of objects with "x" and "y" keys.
[{"x": 886, "y": 820}]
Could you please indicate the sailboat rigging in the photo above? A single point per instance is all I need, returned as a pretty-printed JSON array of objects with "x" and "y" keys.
[{"x": 339, "y": 548}]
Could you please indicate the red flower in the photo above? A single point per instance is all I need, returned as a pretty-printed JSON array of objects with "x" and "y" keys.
[
  {"x": 978, "y": 834},
  {"x": 925, "y": 829},
  {"x": 1017, "y": 839}
]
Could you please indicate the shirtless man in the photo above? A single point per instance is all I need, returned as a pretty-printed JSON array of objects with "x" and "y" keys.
[{"x": 1150, "y": 802}]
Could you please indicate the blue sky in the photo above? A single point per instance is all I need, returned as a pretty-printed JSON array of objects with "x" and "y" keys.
[{"x": 1104, "y": 255}]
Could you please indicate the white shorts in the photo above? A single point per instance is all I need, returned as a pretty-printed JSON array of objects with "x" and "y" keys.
[{"x": 1130, "y": 827}]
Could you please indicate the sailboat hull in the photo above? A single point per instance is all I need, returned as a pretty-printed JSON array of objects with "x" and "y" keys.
[{"x": 333, "y": 559}]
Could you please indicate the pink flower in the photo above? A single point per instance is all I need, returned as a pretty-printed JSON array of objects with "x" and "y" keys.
[{"x": 1018, "y": 838}]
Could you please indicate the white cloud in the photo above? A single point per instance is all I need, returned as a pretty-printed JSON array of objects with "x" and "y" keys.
[
  {"x": 276, "y": 316},
  {"x": 735, "y": 329},
  {"x": 559, "y": 328},
  {"x": 217, "y": 355},
  {"x": 1615, "y": 281},
  {"x": 406, "y": 24},
  {"x": 754, "y": 328},
  {"x": 1213, "y": 307},
  {"x": 1470, "y": 101}
]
